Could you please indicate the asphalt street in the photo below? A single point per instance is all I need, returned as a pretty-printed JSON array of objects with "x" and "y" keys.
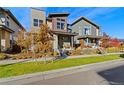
[
  {"x": 114, "y": 76},
  {"x": 81, "y": 78}
]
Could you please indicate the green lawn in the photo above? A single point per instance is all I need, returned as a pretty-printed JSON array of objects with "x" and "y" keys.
[{"x": 32, "y": 67}]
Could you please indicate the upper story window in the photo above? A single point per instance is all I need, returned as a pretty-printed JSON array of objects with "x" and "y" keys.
[
  {"x": 58, "y": 25},
  {"x": 58, "y": 19},
  {"x": 40, "y": 22},
  {"x": 7, "y": 23},
  {"x": 62, "y": 26},
  {"x": 61, "y": 23},
  {"x": 35, "y": 22},
  {"x": 87, "y": 30},
  {"x": 7, "y": 17},
  {"x": 63, "y": 20}
]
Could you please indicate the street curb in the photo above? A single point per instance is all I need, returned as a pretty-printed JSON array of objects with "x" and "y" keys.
[{"x": 28, "y": 78}]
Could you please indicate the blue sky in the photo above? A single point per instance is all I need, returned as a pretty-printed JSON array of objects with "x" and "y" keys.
[{"x": 111, "y": 19}]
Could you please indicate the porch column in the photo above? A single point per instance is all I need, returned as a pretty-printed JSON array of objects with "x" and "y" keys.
[
  {"x": 87, "y": 41},
  {"x": 0, "y": 38},
  {"x": 55, "y": 42},
  {"x": 72, "y": 41}
]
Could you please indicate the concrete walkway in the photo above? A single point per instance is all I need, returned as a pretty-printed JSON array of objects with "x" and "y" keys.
[
  {"x": 79, "y": 75},
  {"x": 10, "y": 61}
]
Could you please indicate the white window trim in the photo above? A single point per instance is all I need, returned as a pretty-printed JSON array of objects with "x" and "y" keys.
[{"x": 89, "y": 31}]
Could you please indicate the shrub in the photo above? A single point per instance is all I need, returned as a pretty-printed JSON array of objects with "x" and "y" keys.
[
  {"x": 122, "y": 55},
  {"x": 22, "y": 56},
  {"x": 24, "y": 51},
  {"x": 85, "y": 51},
  {"x": 3, "y": 56},
  {"x": 16, "y": 49},
  {"x": 76, "y": 52},
  {"x": 113, "y": 49},
  {"x": 39, "y": 55},
  {"x": 98, "y": 51},
  {"x": 49, "y": 53},
  {"x": 55, "y": 53}
]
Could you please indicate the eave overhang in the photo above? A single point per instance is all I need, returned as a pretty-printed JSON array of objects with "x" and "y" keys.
[{"x": 64, "y": 33}]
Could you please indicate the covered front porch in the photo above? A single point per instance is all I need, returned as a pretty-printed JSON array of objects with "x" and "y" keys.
[
  {"x": 90, "y": 41},
  {"x": 5, "y": 38},
  {"x": 63, "y": 40}
]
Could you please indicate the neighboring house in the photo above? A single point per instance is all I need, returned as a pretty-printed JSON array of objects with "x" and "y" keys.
[
  {"x": 88, "y": 32},
  {"x": 63, "y": 38},
  {"x": 38, "y": 17},
  {"x": 9, "y": 26},
  {"x": 121, "y": 40}
]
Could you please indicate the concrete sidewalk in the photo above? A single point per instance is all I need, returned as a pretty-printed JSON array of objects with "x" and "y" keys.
[
  {"x": 87, "y": 72},
  {"x": 11, "y": 61}
]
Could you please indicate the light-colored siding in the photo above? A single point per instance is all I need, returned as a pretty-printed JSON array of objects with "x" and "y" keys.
[
  {"x": 79, "y": 26},
  {"x": 37, "y": 14},
  {"x": 2, "y": 17},
  {"x": 12, "y": 24},
  {"x": 49, "y": 23}
]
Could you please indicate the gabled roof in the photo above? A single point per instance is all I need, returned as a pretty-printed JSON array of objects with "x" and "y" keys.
[
  {"x": 58, "y": 14},
  {"x": 12, "y": 16},
  {"x": 83, "y": 18}
]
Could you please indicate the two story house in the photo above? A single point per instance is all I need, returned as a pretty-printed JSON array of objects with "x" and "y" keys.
[
  {"x": 88, "y": 32},
  {"x": 63, "y": 37},
  {"x": 57, "y": 22},
  {"x": 9, "y": 26}
]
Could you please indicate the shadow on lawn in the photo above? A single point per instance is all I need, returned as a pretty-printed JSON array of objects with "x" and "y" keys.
[{"x": 6, "y": 65}]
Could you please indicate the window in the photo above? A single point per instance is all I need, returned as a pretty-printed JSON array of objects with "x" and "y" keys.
[
  {"x": 7, "y": 23},
  {"x": 40, "y": 22},
  {"x": 7, "y": 17},
  {"x": 58, "y": 19},
  {"x": 63, "y": 20},
  {"x": 87, "y": 30},
  {"x": 62, "y": 26},
  {"x": 35, "y": 22},
  {"x": 58, "y": 25},
  {"x": 61, "y": 23}
]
